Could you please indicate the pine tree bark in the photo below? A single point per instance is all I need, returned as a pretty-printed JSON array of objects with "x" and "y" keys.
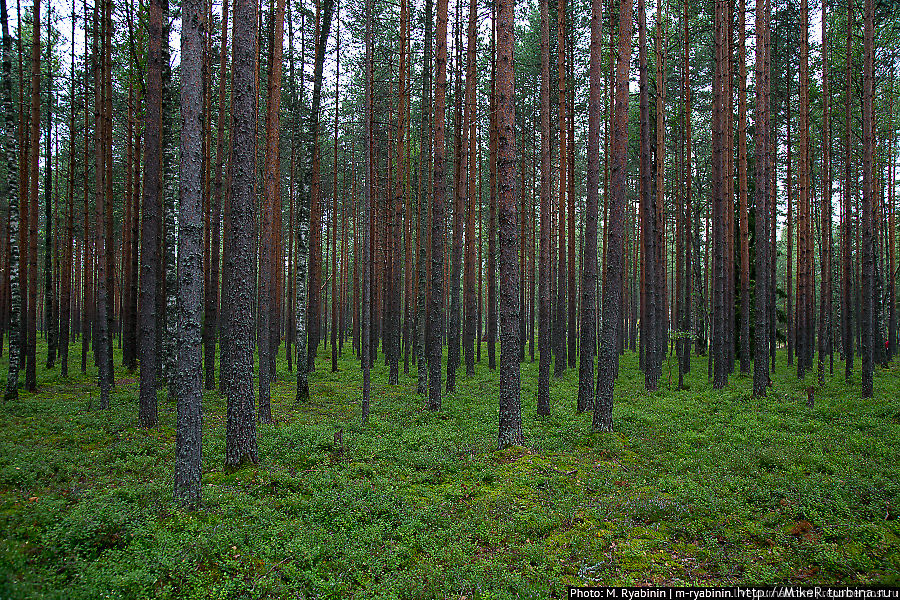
[
  {"x": 438, "y": 225},
  {"x": 589, "y": 269},
  {"x": 742, "y": 190},
  {"x": 10, "y": 151},
  {"x": 32, "y": 206},
  {"x": 545, "y": 318},
  {"x": 151, "y": 207},
  {"x": 268, "y": 342},
  {"x": 237, "y": 363},
  {"x": 825, "y": 240},
  {"x": 559, "y": 319},
  {"x": 763, "y": 244},
  {"x": 425, "y": 133},
  {"x": 211, "y": 293},
  {"x": 189, "y": 423},
  {"x": 868, "y": 314},
  {"x": 510, "y": 430},
  {"x": 847, "y": 285},
  {"x": 608, "y": 354}
]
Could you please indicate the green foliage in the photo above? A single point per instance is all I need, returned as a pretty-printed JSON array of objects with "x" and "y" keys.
[{"x": 696, "y": 486}]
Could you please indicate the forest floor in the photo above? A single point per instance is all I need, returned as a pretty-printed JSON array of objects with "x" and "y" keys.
[{"x": 696, "y": 487}]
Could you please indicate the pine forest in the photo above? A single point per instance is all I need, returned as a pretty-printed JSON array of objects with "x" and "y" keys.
[{"x": 412, "y": 299}]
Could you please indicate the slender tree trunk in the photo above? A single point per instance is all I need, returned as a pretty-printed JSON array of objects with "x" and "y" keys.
[
  {"x": 438, "y": 225},
  {"x": 211, "y": 308},
  {"x": 649, "y": 288},
  {"x": 366, "y": 324},
  {"x": 425, "y": 133},
  {"x": 9, "y": 150},
  {"x": 847, "y": 286},
  {"x": 50, "y": 316},
  {"x": 237, "y": 363},
  {"x": 825, "y": 241},
  {"x": 471, "y": 198},
  {"x": 868, "y": 313},
  {"x": 268, "y": 344},
  {"x": 608, "y": 355},
  {"x": 763, "y": 243},
  {"x": 151, "y": 222},
  {"x": 559, "y": 319},
  {"x": 189, "y": 431},
  {"x": 544, "y": 318},
  {"x": 589, "y": 270},
  {"x": 720, "y": 201},
  {"x": 510, "y": 430},
  {"x": 35, "y": 139},
  {"x": 742, "y": 190}
]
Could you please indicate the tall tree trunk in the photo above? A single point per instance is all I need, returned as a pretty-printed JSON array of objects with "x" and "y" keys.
[
  {"x": 151, "y": 222},
  {"x": 545, "y": 316},
  {"x": 559, "y": 319},
  {"x": 492, "y": 209},
  {"x": 763, "y": 244},
  {"x": 366, "y": 324},
  {"x": 50, "y": 316},
  {"x": 35, "y": 139},
  {"x": 720, "y": 201},
  {"x": 742, "y": 190},
  {"x": 268, "y": 343},
  {"x": 189, "y": 430},
  {"x": 425, "y": 133},
  {"x": 825, "y": 241},
  {"x": 589, "y": 270},
  {"x": 847, "y": 286},
  {"x": 310, "y": 223},
  {"x": 510, "y": 430},
  {"x": 471, "y": 312},
  {"x": 211, "y": 300},
  {"x": 9, "y": 149},
  {"x": 237, "y": 363},
  {"x": 608, "y": 355},
  {"x": 868, "y": 313},
  {"x": 649, "y": 288}
]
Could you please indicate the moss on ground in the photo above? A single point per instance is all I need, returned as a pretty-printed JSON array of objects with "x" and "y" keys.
[{"x": 695, "y": 487}]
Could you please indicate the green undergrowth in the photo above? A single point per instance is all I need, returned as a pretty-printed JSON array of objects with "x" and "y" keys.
[{"x": 697, "y": 486}]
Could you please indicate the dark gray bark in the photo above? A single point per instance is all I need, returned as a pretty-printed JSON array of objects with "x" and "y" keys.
[
  {"x": 510, "y": 430},
  {"x": 544, "y": 320},
  {"x": 189, "y": 423},
  {"x": 9, "y": 156},
  {"x": 438, "y": 227},
  {"x": 589, "y": 268},
  {"x": 763, "y": 244},
  {"x": 238, "y": 285},
  {"x": 608, "y": 355}
]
